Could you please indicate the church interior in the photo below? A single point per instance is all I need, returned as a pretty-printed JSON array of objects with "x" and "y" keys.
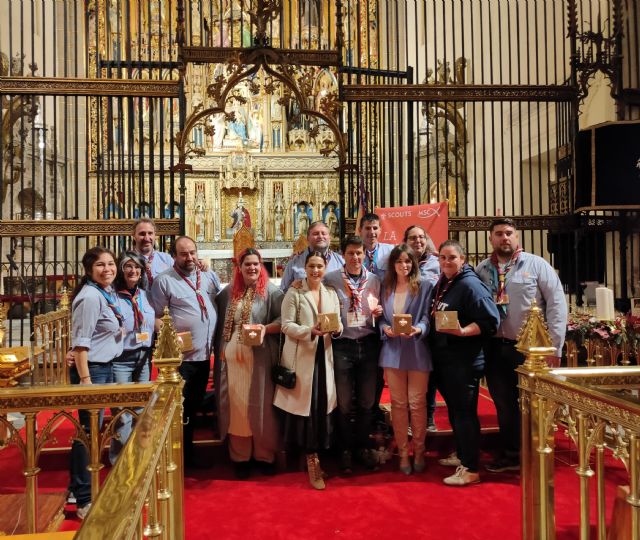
[{"x": 235, "y": 121}]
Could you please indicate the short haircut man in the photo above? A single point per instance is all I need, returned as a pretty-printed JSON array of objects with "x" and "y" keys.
[
  {"x": 516, "y": 278},
  {"x": 319, "y": 239}
]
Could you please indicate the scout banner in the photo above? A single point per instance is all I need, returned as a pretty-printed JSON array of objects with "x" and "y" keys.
[{"x": 434, "y": 218}]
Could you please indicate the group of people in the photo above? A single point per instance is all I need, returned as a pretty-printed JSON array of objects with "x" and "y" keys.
[{"x": 366, "y": 293}]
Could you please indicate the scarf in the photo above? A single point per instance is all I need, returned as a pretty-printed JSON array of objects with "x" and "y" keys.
[
  {"x": 500, "y": 279},
  {"x": 245, "y": 314},
  {"x": 132, "y": 298},
  {"x": 111, "y": 302},
  {"x": 195, "y": 288},
  {"x": 354, "y": 289}
]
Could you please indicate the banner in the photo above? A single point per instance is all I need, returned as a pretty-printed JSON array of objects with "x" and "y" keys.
[{"x": 433, "y": 218}]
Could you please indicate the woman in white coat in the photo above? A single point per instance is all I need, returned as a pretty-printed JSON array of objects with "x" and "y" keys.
[{"x": 308, "y": 351}]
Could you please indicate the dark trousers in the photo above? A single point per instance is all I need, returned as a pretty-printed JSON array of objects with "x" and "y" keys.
[
  {"x": 431, "y": 399},
  {"x": 356, "y": 370},
  {"x": 458, "y": 380},
  {"x": 80, "y": 477},
  {"x": 502, "y": 359},
  {"x": 196, "y": 376}
]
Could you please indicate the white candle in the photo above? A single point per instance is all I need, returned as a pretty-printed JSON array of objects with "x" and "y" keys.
[{"x": 604, "y": 304}]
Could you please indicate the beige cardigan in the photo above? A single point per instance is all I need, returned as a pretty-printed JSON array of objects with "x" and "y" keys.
[{"x": 300, "y": 347}]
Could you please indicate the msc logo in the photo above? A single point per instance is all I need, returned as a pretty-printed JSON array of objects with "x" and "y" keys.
[{"x": 427, "y": 213}]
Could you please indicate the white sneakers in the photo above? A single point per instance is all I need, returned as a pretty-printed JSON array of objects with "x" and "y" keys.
[
  {"x": 462, "y": 477},
  {"x": 450, "y": 461},
  {"x": 82, "y": 511}
]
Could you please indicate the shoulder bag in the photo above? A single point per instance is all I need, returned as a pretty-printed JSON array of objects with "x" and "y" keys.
[{"x": 280, "y": 374}]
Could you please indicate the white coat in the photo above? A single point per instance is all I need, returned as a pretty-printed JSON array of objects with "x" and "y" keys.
[{"x": 300, "y": 347}]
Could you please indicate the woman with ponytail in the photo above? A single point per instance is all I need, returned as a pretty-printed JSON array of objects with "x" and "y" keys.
[
  {"x": 97, "y": 337},
  {"x": 243, "y": 372}
]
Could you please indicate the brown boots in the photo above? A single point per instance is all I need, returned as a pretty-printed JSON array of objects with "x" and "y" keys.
[{"x": 315, "y": 472}]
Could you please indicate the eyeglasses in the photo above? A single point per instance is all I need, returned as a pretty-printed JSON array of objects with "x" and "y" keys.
[{"x": 418, "y": 237}]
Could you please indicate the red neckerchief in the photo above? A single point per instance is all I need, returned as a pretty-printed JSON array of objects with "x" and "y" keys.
[
  {"x": 372, "y": 257},
  {"x": 138, "y": 317},
  {"x": 354, "y": 290},
  {"x": 502, "y": 272},
  {"x": 196, "y": 289},
  {"x": 148, "y": 267},
  {"x": 441, "y": 291}
]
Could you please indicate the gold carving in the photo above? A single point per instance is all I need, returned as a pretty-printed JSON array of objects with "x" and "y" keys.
[
  {"x": 88, "y": 87},
  {"x": 457, "y": 92},
  {"x": 90, "y": 227}
]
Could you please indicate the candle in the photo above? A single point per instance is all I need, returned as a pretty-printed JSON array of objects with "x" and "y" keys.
[{"x": 604, "y": 304}]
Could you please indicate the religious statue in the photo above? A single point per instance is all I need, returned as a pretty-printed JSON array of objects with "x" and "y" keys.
[
  {"x": 200, "y": 213},
  {"x": 240, "y": 215},
  {"x": 331, "y": 221},
  {"x": 302, "y": 220},
  {"x": 237, "y": 129},
  {"x": 278, "y": 216}
]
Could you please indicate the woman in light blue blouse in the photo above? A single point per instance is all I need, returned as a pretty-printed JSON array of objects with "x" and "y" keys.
[
  {"x": 139, "y": 324},
  {"x": 405, "y": 357},
  {"x": 97, "y": 338}
]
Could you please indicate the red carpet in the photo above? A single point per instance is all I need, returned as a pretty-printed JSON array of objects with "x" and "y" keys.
[{"x": 381, "y": 504}]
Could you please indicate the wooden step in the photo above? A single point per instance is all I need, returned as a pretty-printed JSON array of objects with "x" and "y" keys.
[{"x": 13, "y": 518}]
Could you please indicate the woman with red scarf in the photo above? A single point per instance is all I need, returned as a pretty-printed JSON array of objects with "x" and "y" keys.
[
  {"x": 243, "y": 372},
  {"x": 139, "y": 321}
]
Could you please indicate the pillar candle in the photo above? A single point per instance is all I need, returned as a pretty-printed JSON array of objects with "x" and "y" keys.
[{"x": 604, "y": 304}]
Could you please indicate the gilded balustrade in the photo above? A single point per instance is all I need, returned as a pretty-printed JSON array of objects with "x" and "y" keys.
[
  {"x": 143, "y": 493},
  {"x": 599, "y": 410}
]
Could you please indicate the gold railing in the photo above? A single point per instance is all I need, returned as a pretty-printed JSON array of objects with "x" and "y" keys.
[
  {"x": 149, "y": 470},
  {"x": 599, "y": 410},
  {"x": 52, "y": 335}
]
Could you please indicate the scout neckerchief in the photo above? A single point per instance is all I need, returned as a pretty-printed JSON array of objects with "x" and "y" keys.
[
  {"x": 444, "y": 283},
  {"x": 195, "y": 288},
  {"x": 132, "y": 298},
  {"x": 372, "y": 258},
  {"x": 148, "y": 267},
  {"x": 110, "y": 302},
  {"x": 355, "y": 287},
  {"x": 500, "y": 279},
  {"x": 245, "y": 314}
]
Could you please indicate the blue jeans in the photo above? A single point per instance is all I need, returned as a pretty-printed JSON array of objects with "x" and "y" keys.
[
  {"x": 80, "y": 477},
  {"x": 131, "y": 366},
  {"x": 356, "y": 370},
  {"x": 502, "y": 359}
]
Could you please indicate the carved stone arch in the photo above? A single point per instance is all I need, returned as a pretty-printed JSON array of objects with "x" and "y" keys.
[{"x": 242, "y": 66}]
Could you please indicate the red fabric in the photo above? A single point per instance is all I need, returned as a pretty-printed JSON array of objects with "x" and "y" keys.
[{"x": 384, "y": 504}]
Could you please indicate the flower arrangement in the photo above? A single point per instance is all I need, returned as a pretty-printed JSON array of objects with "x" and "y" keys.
[{"x": 583, "y": 326}]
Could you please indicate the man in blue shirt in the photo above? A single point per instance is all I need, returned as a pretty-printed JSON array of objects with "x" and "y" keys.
[
  {"x": 190, "y": 293},
  {"x": 516, "y": 278},
  {"x": 376, "y": 254},
  {"x": 144, "y": 243},
  {"x": 355, "y": 352},
  {"x": 318, "y": 238}
]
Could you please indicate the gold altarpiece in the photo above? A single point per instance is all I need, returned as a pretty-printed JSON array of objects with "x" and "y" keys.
[{"x": 261, "y": 160}]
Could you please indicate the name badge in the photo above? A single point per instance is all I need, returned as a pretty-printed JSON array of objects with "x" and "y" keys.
[
  {"x": 141, "y": 337},
  {"x": 504, "y": 299},
  {"x": 356, "y": 319}
]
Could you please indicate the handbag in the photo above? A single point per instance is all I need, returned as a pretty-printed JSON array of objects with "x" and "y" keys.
[{"x": 280, "y": 374}]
